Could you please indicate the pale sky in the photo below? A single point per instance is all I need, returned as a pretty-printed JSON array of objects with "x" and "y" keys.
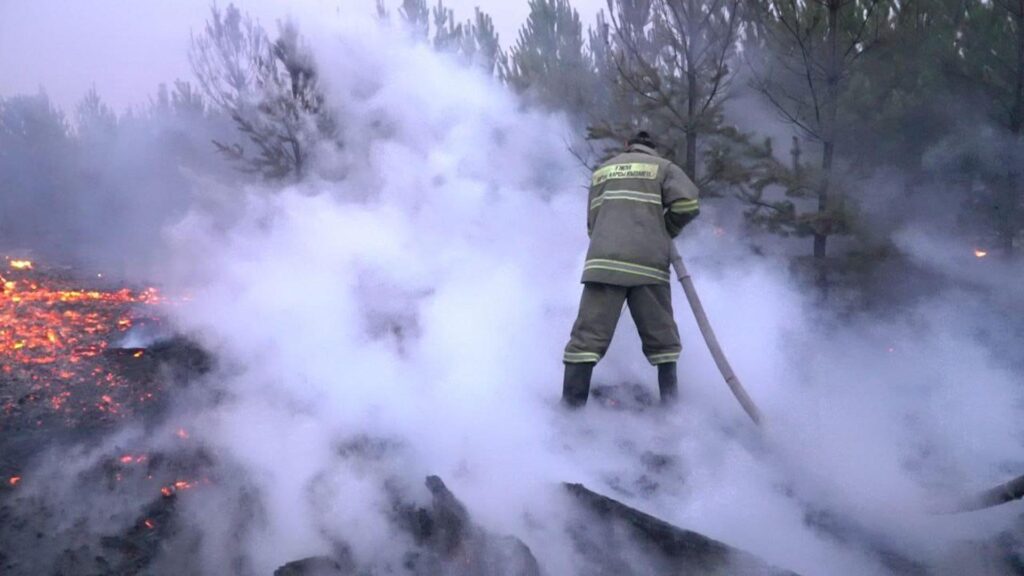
[{"x": 127, "y": 47}]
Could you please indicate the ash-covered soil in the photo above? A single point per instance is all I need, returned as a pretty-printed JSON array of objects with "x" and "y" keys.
[
  {"x": 96, "y": 477},
  {"x": 78, "y": 364},
  {"x": 96, "y": 474}
]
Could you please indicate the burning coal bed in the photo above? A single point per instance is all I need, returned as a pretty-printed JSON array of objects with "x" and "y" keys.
[{"x": 67, "y": 382}]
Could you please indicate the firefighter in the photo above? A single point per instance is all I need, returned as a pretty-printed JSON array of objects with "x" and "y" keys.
[{"x": 638, "y": 202}]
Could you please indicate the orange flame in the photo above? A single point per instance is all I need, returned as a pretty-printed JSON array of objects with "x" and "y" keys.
[
  {"x": 149, "y": 524},
  {"x": 21, "y": 264},
  {"x": 14, "y": 481},
  {"x": 979, "y": 253}
]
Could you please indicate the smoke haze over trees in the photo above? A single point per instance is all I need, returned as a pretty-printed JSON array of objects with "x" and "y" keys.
[{"x": 792, "y": 114}]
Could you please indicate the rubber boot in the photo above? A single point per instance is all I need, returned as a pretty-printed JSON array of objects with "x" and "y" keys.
[
  {"x": 667, "y": 385},
  {"x": 576, "y": 385}
]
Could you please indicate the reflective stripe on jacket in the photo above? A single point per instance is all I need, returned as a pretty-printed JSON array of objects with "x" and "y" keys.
[{"x": 638, "y": 201}]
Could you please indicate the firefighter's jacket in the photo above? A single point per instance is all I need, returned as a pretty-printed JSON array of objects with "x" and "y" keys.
[{"x": 638, "y": 202}]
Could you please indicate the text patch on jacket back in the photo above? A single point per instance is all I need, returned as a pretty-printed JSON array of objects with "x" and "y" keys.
[{"x": 642, "y": 171}]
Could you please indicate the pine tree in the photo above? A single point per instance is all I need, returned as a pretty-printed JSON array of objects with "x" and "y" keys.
[
  {"x": 992, "y": 50},
  {"x": 481, "y": 45},
  {"x": 549, "y": 63},
  {"x": 35, "y": 146},
  {"x": 270, "y": 89},
  {"x": 674, "y": 60},
  {"x": 809, "y": 52},
  {"x": 474, "y": 41},
  {"x": 96, "y": 122},
  {"x": 416, "y": 17}
]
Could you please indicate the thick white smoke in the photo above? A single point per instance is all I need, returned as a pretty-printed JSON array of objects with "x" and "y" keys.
[{"x": 423, "y": 293}]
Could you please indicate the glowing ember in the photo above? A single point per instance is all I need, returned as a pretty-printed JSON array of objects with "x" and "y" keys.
[
  {"x": 178, "y": 486},
  {"x": 149, "y": 523},
  {"x": 137, "y": 354},
  {"x": 14, "y": 481},
  {"x": 52, "y": 338},
  {"x": 979, "y": 253}
]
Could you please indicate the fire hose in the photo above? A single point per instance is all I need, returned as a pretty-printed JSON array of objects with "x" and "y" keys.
[
  {"x": 1001, "y": 494},
  {"x": 709, "y": 337}
]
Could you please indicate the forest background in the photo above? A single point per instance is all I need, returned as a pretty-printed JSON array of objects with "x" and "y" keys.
[{"x": 831, "y": 131}]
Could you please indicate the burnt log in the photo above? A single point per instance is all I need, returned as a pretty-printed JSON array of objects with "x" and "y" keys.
[
  {"x": 847, "y": 532},
  {"x": 315, "y": 566},
  {"x": 450, "y": 519},
  {"x": 445, "y": 540},
  {"x": 614, "y": 538},
  {"x": 450, "y": 544}
]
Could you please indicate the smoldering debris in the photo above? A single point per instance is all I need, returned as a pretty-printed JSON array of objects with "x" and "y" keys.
[
  {"x": 128, "y": 508},
  {"x": 607, "y": 527},
  {"x": 62, "y": 376},
  {"x": 316, "y": 566},
  {"x": 450, "y": 543},
  {"x": 118, "y": 513},
  {"x": 121, "y": 512},
  {"x": 64, "y": 388},
  {"x": 610, "y": 537}
]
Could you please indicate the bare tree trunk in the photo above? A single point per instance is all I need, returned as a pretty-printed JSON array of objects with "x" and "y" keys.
[
  {"x": 691, "y": 120},
  {"x": 795, "y": 153},
  {"x": 300, "y": 161},
  {"x": 821, "y": 231},
  {"x": 1017, "y": 119},
  {"x": 832, "y": 76},
  {"x": 692, "y": 94},
  {"x": 1015, "y": 196}
]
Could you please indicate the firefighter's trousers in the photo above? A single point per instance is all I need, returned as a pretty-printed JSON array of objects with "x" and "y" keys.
[{"x": 600, "y": 308}]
